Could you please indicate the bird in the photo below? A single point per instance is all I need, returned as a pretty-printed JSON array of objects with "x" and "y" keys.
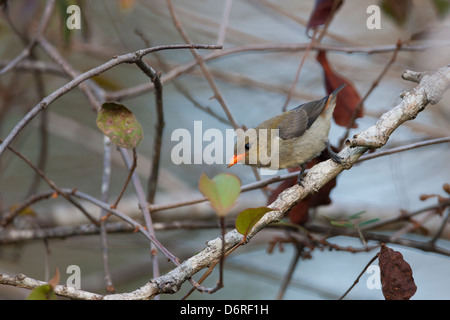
[{"x": 301, "y": 134}]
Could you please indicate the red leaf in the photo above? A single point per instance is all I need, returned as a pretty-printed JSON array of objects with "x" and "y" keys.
[
  {"x": 347, "y": 100},
  {"x": 299, "y": 213},
  {"x": 396, "y": 275},
  {"x": 321, "y": 13}
]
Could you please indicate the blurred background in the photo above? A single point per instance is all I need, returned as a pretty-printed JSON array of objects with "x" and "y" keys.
[{"x": 254, "y": 81}]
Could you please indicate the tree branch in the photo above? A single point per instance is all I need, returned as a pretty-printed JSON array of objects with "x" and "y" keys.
[{"x": 126, "y": 58}]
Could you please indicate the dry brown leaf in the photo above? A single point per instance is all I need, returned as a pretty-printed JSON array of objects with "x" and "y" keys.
[{"x": 396, "y": 275}]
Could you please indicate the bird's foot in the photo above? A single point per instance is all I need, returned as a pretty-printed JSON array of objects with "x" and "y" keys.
[
  {"x": 333, "y": 155},
  {"x": 300, "y": 175}
]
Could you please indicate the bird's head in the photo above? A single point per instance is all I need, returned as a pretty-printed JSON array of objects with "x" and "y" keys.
[{"x": 253, "y": 147}]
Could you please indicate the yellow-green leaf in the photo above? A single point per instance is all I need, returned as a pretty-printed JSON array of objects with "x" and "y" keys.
[
  {"x": 27, "y": 211},
  {"x": 222, "y": 191},
  {"x": 120, "y": 125},
  {"x": 248, "y": 218},
  {"x": 44, "y": 292}
]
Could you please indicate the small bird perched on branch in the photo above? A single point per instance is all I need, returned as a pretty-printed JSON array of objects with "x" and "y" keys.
[{"x": 290, "y": 139}]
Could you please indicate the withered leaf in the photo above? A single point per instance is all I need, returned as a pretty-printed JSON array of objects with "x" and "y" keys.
[
  {"x": 446, "y": 187},
  {"x": 322, "y": 12},
  {"x": 396, "y": 275},
  {"x": 347, "y": 100}
]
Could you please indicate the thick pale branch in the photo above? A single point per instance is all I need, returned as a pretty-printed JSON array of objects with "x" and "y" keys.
[
  {"x": 430, "y": 90},
  {"x": 23, "y": 281}
]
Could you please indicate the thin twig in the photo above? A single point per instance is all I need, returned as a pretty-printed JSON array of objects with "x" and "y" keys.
[
  {"x": 179, "y": 86},
  {"x": 404, "y": 148},
  {"x": 441, "y": 228},
  {"x": 6, "y": 219},
  {"x": 290, "y": 15},
  {"x": 106, "y": 182},
  {"x": 359, "y": 276},
  {"x": 200, "y": 61},
  {"x": 137, "y": 226},
  {"x": 40, "y": 90},
  {"x": 297, "y": 74},
  {"x": 145, "y": 211},
  {"x": 159, "y": 127},
  {"x": 43, "y": 22},
  {"x": 270, "y": 47},
  {"x": 313, "y": 41},
  {"x": 130, "y": 173},
  {"x": 288, "y": 275},
  {"x": 225, "y": 20},
  {"x": 405, "y": 216},
  {"x": 420, "y": 245},
  {"x": 54, "y": 186},
  {"x": 90, "y": 89},
  {"x": 208, "y": 272}
]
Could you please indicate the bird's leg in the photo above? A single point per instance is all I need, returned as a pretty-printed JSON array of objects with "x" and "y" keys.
[
  {"x": 333, "y": 154},
  {"x": 300, "y": 175}
]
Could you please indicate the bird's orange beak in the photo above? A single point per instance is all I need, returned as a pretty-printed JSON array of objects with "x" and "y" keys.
[{"x": 236, "y": 158}]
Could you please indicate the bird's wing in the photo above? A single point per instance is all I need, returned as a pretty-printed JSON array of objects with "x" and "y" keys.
[{"x": 300, "y": 119}]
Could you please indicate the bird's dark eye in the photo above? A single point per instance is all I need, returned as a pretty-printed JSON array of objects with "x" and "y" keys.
[{"x": 247, "y": 146}]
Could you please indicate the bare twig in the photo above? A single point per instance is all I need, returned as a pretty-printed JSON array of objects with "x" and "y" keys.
[
  {"x": 6, "y": 219},
  {"x": 225, "y": 20},
  {"x": 136, "y": 225},
  {"x": 299, "y": 68},
  {"x": 43, "y": 22},
  {"x": 146, "y": 213},
  {"x": 420, "y": 245},
  {"x": 441, "y": 228},
  {"x": 52, "y": 185},
  {"x": 359, "y": 276},
  {"x": 130, "y": 174},
  {"x": 159, "y": 127},
  {"x": 308, "y": 49},
  {"x": 106, "y": 181},
  {"x": 404, "y": 148},
  {"x": 270, "y": 47},
  {"x": 288, "y": 275},
  {"x": 89, "y": 88},
  {"x": 201, "y": 62}
]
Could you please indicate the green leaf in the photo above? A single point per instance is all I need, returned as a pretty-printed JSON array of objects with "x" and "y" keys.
[
  {"x": 356, "y": 215},
  {"x": 44, "y": 292},
  {"x": 248, "y": 218},
  {"x": 119, "y": 124},
  {"x": 344, "y": 224},
  {"x": 222, "y": 191},
  {"x": 368, "y": 222}
]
